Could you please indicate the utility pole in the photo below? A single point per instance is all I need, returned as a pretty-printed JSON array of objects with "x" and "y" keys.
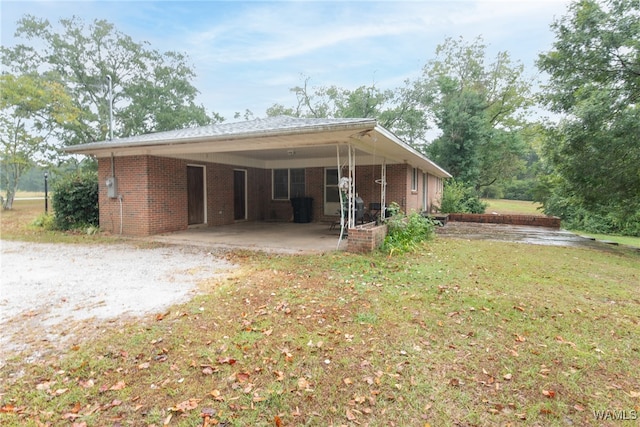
[{"x": 110, "y": 108}]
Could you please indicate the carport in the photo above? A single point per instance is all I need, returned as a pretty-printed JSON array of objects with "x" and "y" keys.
[{"x": 249, "y": 171}]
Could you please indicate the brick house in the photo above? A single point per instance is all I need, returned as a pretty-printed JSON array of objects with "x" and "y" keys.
[{"x": 249, "y": 171}]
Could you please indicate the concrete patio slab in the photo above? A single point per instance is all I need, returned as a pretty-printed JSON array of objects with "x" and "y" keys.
[
  {"x": 275, "y": 237},
  {"x": 521, "y": 234}
]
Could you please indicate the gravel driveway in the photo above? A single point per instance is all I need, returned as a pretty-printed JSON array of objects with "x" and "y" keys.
[{"x": 48, "y": 292}]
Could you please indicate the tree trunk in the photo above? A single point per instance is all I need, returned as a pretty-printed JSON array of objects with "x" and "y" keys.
[{"x": 7, "y": 203}]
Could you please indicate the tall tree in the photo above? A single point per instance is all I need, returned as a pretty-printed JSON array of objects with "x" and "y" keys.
[
  {"x": 152, "y": 91},
  {"x": 396, "y": 110},
  {"x": 32, "y": 109},
  {"x": 479, "y": 109},
  {"x": 594, "y": 82}
]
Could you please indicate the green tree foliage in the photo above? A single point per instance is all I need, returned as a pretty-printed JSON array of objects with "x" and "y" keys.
[
  {"x": 396, "y": 110},
  {"x": 75, "y": 201},
  {"x": 594, "y": 81},
  {"x": 32, "y": 109},
  {"x": 152, "y": 91},
  {"x": 459, "y": 197},
  {"x": 479, "y": 109}
]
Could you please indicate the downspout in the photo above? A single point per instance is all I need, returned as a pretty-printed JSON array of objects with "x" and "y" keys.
[{"x": 113, "y": 175}]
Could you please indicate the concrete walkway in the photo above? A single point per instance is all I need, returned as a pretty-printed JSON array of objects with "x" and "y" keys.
[
  {"x": 276, "y": 237},
  {"x": 318, "y": 237}
]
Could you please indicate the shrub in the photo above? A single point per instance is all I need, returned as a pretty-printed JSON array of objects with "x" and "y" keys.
[
  {"x": 75, "y": 201},
  {"x": 406, "y": 232},
  {"x": 44, "y": 220},
  {"x": 521, "y": 189},
  {"x": 459, "y": 198}
]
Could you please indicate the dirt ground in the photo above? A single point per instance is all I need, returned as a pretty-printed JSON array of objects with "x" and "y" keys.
[{"x": 50, "y": 293}]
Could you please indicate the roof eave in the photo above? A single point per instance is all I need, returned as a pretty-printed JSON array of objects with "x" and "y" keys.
[
  {"x": 415, "y": 153},
  {"x": 105, "y": 146}
]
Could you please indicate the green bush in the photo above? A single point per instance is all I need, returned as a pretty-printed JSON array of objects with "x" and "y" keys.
[
  {"x": 519, "y": 189},
  {"x": 406, "y": 232},
  {"x": 75, "y": 201},
  {"x": 44, "y": 220},
  {"x": 459, "y": 198}
]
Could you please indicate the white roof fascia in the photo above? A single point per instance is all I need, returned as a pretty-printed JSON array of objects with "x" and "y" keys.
[{"x": 421, "y": 158}]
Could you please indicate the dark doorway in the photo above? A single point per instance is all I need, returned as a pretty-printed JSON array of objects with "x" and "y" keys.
[
  {"x": 239, "y": 194},
  {"x": 195, "y": 191}
]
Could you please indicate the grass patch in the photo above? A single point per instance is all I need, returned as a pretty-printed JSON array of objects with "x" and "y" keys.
[
  {"x": 18, "y": 224},
  {"x": 519, "y": 207},
  {"x": 623, "y": 240},
  {"x": 513, "y": 207},
  {"x": 457, "y": 333}
]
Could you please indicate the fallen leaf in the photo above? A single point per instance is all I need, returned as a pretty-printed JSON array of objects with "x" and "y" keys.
[
  {"x": 507, "y": 377},
  {"x": 187, "y": 405},
  {"x": 8, "y": 408},
  {"x": 242, "y": 377},
  {"x": 76, "y": 408},
  {"x": 303, "y": 384},
  {"x": 229, "y": 360},
  {"x": 279, "y": 375},
  {"x": 563, "y": 341},
  {"x": 277, "y": 421},
  {"x": 347, "y": 381},
  {"x": 217, "y": 395},
  {"x": 287, "y": 355},
  {"x": 578, "y": 408},
  {"x": 118, "y": 386},
  {"x": 350, "y": 415},
  {"x": 549, "y": 393}
]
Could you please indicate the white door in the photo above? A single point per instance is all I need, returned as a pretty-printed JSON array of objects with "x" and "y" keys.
[{"x": 331, "y": 192}]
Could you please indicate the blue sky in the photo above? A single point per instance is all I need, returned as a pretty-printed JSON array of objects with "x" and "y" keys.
[{"x": 247, "y": 55}]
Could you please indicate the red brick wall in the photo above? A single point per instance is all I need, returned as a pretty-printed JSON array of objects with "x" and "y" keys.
[
  {"x": 533, "y": 220},
  {"x": 397, "y": 184},
  {"x": 154, "y": 193},
  {"x": 366, "y": 238}
]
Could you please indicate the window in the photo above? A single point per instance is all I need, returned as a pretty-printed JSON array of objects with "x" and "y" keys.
[
  {"x": 288, "y": 183},
  {"x": 414, "y": 179}
]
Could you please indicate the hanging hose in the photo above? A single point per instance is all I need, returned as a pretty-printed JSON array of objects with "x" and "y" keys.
[{"x": 340, "y": 195}]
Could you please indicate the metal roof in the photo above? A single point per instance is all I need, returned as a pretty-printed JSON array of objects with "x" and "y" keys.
[{"x": 272, "y": 142}]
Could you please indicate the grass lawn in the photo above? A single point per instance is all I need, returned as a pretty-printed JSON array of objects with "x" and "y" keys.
[
  {"x": 517, "y": 207},
  {"x": 462, "y": 332},
  {"x": 504, "y": 207}
]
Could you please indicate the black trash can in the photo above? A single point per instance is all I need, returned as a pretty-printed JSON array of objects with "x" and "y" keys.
[{"x": 302, "y": 209}]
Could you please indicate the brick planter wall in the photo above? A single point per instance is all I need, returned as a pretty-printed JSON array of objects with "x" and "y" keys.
[
  {"x": 531, "y": 220},
  {"x": 366, "y": 238}
]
